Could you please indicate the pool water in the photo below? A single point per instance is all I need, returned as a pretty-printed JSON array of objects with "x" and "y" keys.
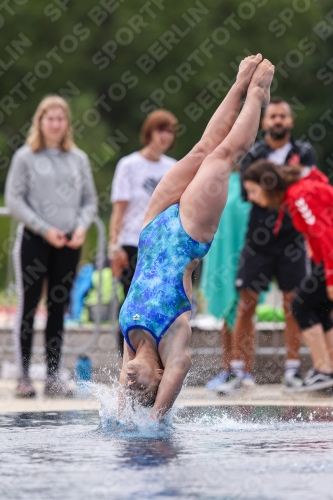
[{"x": 207, "y": 453}]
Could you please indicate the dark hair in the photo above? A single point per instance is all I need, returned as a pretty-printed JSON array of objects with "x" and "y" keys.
[
  {"x": 149, "y": 402},
  {"x": 145, "y": 400},
  {"x": 274, "y": 179},
  {"x": 157, "y": 120},
  {"x": 278, "y": 100}
]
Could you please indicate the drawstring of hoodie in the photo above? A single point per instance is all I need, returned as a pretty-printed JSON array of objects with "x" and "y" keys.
[{"x": 279, "y": 219}]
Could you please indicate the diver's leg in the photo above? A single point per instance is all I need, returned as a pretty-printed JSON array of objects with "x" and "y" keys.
[
  {"x": 174, "y": 183},
  {"x": 203, "y": 201}
]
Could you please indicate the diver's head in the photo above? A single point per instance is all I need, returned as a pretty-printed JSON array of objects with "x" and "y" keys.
[{"x": 143, "y": 378}]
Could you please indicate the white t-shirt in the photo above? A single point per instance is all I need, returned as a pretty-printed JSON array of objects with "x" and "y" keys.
[
  {"x": 279, "y": 155},
  {"x": 134, "y": 181}
]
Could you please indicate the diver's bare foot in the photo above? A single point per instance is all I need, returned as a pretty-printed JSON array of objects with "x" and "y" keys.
[
  {"x": 246, "y": 69},
  {"x": 261, "y": 80}
]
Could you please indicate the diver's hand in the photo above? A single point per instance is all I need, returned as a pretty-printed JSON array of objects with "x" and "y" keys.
[
  {"x": 119, "y": 260},
  {"x": 176, "y": 368}
]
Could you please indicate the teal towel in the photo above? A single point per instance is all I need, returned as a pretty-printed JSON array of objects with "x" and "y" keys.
[{"x": 221, "y": 263}]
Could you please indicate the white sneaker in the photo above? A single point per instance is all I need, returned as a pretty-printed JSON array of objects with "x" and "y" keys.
[
  {"x": 316, "y": 381},
  {"x": 248, "y": 380},
  {"x": 233, "y": 384},
  {"x": 292, "y": 381},
  {"x": 215, "y": 382}
]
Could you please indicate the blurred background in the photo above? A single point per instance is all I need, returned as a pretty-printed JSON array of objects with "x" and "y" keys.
[{"x": 115, "y": 61}]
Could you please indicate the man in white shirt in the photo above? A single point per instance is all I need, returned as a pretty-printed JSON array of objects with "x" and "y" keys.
[{"x": 135, "y": 179}]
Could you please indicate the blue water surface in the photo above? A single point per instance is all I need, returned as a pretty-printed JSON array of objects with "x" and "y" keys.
[{"x": 205, "y": 453}]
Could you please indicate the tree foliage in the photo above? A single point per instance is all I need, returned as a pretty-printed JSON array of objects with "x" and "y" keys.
[{"x": 116, "y": 60}]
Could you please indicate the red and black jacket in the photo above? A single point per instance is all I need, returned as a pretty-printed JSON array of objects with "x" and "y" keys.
[
  {"x": 310, "y": 205},
  {"x": 262, "y": 220}
]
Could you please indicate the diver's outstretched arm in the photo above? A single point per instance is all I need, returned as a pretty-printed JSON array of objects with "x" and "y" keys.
[
  {"x": 171, "y": 384},
  {"x": 174, "y": 183},
  {"x": 176, "y": 359}
]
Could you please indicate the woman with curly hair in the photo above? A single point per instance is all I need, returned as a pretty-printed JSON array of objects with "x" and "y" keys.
[{"x": 308, "y": 196}]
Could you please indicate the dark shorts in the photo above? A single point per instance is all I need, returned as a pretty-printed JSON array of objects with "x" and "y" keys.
[
  {"x": 311, "y": 304},
  {"x": 256, "y": 269}
]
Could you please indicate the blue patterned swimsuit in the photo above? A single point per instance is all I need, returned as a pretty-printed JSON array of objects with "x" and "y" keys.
[{"x": 157, "y": 296}]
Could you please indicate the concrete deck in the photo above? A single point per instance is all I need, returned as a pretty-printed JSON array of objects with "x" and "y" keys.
[{"x": 259, "y": 395}]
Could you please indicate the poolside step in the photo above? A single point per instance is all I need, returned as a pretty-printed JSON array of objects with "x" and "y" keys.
[
  {"x": 205, "y": 351},
  {"x": 321, "y": 404}
]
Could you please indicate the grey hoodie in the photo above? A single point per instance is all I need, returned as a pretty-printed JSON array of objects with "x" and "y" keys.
[{"x": 51, "y": 188}]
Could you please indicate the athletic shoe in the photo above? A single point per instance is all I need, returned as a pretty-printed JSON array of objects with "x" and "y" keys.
[
  {"x": 248, "y": 380},
  {"x": 215, "y": 382},
  {"x": 25, "y": 389},
  {"x": 233, "y": 384},
  {"x": 54, "y": 388},
  {"x": 293, "y": 381},
  {"x": 316, "y": 381}
]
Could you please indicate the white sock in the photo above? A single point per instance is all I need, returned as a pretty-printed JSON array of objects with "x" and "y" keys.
[
  {"x": 237, "y": 367},
  {"x": 291, "y": 366}
]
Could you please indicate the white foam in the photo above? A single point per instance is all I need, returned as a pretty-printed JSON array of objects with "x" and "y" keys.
[{"x": 134, "y": 420}]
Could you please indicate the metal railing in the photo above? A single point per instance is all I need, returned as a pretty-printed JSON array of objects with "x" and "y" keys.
[{"x": 100, "y": 260}]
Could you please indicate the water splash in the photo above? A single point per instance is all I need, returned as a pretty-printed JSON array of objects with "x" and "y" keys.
[{"x": 135, "y": 420}]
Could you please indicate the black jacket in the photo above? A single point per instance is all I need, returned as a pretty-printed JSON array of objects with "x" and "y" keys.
[{"x": 262, "y": 220}]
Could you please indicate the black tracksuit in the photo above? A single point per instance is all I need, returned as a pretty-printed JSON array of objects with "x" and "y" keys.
[{"x": 36, "y": 261}]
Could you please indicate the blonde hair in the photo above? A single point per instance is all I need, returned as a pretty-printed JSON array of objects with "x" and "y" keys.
[{"x": 35, "y": 137}]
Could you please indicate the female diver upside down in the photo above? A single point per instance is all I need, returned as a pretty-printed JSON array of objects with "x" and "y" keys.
[{"x": 180, "y": 222}]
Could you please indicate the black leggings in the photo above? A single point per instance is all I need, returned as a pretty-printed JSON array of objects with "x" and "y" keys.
[
  {"x": 128, "y": 272},
  {"x": 35, "y": 260},
  {"x": 311, "y": 304}
]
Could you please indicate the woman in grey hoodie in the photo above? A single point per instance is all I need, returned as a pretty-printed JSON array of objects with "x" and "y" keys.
[{"x": 51, "y": 192}]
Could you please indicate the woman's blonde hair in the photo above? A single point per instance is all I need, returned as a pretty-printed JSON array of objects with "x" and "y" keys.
[{"x": 35, "y": 137}]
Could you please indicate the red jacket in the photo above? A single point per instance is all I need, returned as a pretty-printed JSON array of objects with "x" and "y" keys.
[{"x": 310, "y": 203}]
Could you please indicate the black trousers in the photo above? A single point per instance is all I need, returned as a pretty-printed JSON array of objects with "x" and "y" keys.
[
  {"x": 37, "y": 261},
  {"x": 128, "y": 272},
  {"x": 311, "y": 304},
  {"x": 126, "y": 280}
]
